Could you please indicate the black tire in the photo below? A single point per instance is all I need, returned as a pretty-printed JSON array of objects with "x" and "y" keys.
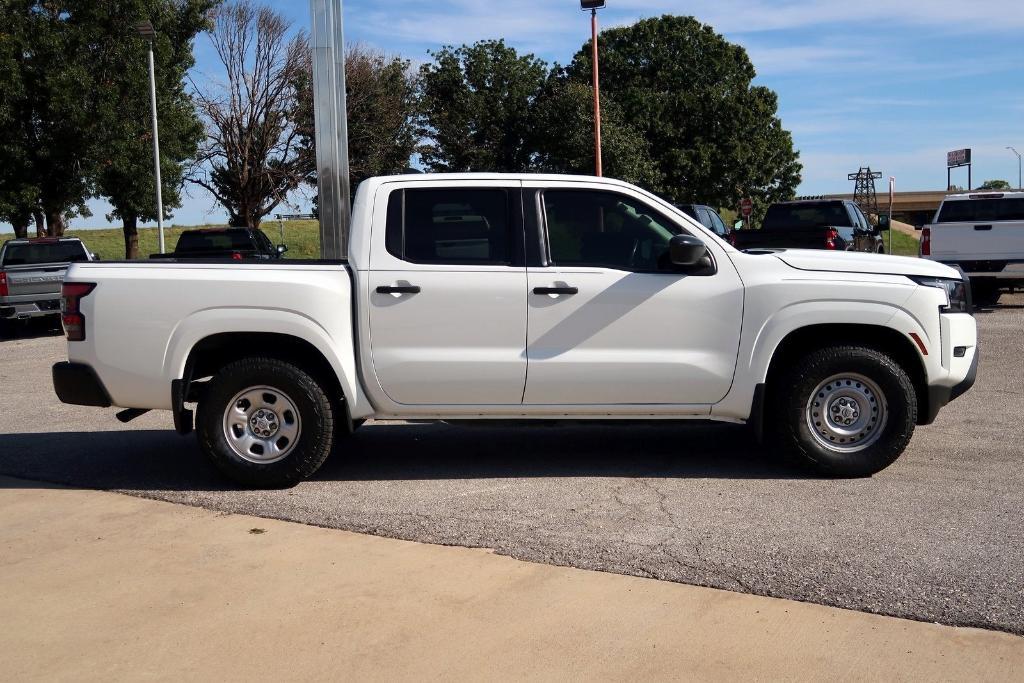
[
  {"x": 797, "y": 388},
  {"x": 315, "y": 419}
]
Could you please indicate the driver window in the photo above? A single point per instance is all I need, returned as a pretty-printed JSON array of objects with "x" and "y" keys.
[{"x": 588, "y": 228}]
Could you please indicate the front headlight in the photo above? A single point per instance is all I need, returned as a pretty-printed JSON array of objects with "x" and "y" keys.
[{"x": 958, "y": 292}]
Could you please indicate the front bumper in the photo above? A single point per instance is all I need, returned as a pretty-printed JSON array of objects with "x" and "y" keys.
[
  {"x": 939, "y": 397},
  {"x": 78, "y": 384}
]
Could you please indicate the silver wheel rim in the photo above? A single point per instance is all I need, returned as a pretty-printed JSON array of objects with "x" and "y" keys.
[
  {"x": 846, "y": 413},
  {"x": 262, "y": 425}
]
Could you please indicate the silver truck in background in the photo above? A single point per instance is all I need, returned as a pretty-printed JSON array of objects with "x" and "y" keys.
[{"x": 31, "y": 273}]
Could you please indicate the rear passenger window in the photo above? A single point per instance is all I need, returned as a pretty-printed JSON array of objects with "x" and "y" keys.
[{"x": 449, "y": 226}]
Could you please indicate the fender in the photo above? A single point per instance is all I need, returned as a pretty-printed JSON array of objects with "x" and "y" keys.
[
  {"x": 335, "y": 343},
  {"x": 758, "y": 348}
]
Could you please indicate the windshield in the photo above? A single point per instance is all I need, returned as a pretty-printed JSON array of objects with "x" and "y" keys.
[
  {"x": 974, "y": 210},
  {"x": 805, "y": 215},
  {"x": 28, "y": 253},
  {"x": 214, "y": 240}
]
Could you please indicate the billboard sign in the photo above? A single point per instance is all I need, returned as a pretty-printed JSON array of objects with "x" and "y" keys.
[{"x": 958, "y": 157}]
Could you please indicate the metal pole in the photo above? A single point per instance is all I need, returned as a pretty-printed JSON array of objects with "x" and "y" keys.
[
  {"x": 331, "y": 119},
  {"x": 597, "y": 97},
  {"x": 892, "y": 198},
  {"x": 1020, "y": 179},
  {"x": 969, "y": 181},
  {"x": 156, "y": 151}
]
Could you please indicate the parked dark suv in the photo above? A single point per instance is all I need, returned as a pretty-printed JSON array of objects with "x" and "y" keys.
[{"x": 707, "y": 217}]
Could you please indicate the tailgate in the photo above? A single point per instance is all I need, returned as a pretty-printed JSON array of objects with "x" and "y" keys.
[
  {"x": 36, "y": 281},
  {"x": 997, "y": 240}
]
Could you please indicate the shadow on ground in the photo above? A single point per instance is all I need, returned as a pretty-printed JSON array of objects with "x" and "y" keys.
[{"x": 162, "y": 460}]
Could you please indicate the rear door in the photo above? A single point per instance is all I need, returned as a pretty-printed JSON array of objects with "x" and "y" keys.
[{"x": 447, "y": 295}]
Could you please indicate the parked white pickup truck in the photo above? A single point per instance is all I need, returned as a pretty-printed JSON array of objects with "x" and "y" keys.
[
  {"x": 983, "y": 234},
  {"x": 471, "y": 297}
]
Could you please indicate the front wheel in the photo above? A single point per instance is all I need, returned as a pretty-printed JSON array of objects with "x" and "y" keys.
[
  {"x": 265, "y": 423},
  {"x": 846, "y": 411}
]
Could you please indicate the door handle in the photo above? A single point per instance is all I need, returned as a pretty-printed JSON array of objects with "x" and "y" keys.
[
  {"x": 398, "y": 289},
  {"x": 982, "y": 227},
  {"x": 556, "y": 290}
]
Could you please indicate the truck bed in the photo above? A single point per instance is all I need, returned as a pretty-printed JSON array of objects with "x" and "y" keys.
[{"x": 304, "y": 298}]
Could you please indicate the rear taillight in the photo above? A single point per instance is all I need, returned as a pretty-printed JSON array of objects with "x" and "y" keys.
[
  {"x": 71, "y": 295},
  {"x": 4, "y": 290},
  {"x": 830, "y": 238},
  {"x": 926, "y": 242}
]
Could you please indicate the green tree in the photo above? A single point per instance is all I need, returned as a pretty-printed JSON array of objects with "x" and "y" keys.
[
  {"x": 48, "y": 113},
  {"x": 475, "y": 106},
  {"x": 562, "y": 122},
  {"x": 995, "y": 185},
  {"x": 124, "y": 162},
  {"x": 381, "y": 108},
  {"x": 713, "y": 136}
]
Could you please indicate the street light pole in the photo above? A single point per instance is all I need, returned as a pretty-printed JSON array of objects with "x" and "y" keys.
[
  {"x": 1020, "y": 184},
  {"x": 593, "y": 6},
  {"x": 145, "y": 29}
]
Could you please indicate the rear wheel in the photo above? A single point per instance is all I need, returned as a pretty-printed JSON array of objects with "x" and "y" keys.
[
  {"x": 265, "y": 423},
  {"x": 846, "y": 411}
]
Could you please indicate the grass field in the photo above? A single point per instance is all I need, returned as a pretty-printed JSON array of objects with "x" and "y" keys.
[{"x": 302, "y": 238}]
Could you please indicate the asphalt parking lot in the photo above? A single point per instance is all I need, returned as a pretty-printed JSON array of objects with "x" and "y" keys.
[{"x": 939, "y": 536}]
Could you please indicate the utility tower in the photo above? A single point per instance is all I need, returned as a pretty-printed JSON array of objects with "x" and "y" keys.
[{"x": 864, "y": 190}]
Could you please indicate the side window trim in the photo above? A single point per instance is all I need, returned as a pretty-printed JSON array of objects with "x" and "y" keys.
[{"x": 547, "y": 262}]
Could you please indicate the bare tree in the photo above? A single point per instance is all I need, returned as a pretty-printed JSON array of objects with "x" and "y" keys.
[{"x": 251, "y": 158}]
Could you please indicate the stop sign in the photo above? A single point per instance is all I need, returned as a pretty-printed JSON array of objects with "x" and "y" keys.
[{"x": 746, "y": 207}]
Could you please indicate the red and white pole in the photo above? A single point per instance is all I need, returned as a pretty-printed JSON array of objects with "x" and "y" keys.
[{"x": 597, "y": 96}]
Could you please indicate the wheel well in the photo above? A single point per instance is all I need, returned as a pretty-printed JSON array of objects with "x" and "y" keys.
[
  {"x": 214, "y": 352},
  {"x": 884, "y": 339}
]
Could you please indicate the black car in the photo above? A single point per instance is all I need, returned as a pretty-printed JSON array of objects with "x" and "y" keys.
[
  {"x": 238, "y": 244},
  {"x": 707, "y": 217}
]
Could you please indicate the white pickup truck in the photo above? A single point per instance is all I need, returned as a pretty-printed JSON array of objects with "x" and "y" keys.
[
  {"x": 983, "y": 234},
  {"x": 475, "y": 297}
]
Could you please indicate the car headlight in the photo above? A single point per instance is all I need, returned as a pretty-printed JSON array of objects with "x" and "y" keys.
[{"x": 958, "y": 292}]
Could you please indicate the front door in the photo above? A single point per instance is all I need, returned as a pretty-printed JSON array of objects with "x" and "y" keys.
[
  {"x": 447, "y": 297},
  {"x": 611, "y": 321}
]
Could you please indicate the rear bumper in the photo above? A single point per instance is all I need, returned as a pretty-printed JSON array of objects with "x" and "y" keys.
[
  {"x": 78, "y": 384},
  {"x": 29, "y": 309},
  {"x": 1011, "y": 271}
]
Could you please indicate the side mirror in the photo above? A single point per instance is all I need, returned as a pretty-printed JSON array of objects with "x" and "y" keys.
[
  {"x": 281, "y": 248},
  {"x": 686, "y": 250},
  {"x": 884, "y": 222}
]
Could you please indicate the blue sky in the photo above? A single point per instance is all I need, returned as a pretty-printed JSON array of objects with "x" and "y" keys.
[{"x": 893, "y": 84}]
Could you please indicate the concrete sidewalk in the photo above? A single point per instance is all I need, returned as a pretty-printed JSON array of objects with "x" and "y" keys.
[{"x": 97, "y": 585}]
